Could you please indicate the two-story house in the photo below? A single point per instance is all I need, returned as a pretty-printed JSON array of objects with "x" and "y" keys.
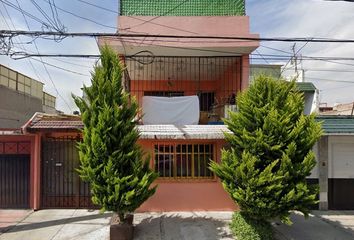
[{"x": 184, "y": 86}]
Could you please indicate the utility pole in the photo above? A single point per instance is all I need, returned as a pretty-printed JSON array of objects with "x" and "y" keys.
[{"x": 294, "y": 59}]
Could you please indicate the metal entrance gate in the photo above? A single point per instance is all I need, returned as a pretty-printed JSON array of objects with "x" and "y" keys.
[
  {"x": 61, "y": 184},
  {"x": 14, "y": 180}
]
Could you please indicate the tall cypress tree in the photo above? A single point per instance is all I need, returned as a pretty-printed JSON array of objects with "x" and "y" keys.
[
  {"x": 110, "y": 159},
  {"x": 270, "y": 152}
]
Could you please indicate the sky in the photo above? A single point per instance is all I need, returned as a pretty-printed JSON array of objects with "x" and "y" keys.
[{"x": 269, "y": 18}]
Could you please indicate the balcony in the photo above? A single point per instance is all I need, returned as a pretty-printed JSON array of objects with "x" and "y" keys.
[{"x": 214, "y": 81}]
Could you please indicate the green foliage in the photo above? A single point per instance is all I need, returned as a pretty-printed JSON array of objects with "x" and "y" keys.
[
  {"x": 110, "y": 159},
  {"x": 271, "y": 154},
  {"x": 246, "y": 228}
]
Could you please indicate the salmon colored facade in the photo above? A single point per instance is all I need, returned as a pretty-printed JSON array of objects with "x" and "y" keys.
[
  {"x": 188, "y": 194},
  {"x": 32, "y": 149},
  {"x": 171, "y": 195}
]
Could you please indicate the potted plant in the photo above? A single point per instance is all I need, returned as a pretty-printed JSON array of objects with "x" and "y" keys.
[{"x": 111, "y": 161}]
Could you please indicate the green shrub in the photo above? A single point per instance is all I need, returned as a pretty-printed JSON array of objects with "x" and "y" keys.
[
  {"x": 110, "y": 158},
  {"x": 246, "y": 228},
  {"x": 270, "y": 153}
]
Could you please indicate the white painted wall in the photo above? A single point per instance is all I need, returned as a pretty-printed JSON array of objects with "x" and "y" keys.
[
  {"x": 311, "y": 102},
  {"x": 341, "y": 157},
  {"x": 314, "y": 172}
]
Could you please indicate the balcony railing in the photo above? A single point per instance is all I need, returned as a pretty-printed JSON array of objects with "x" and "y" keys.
[{"x": 215, "y": 80}]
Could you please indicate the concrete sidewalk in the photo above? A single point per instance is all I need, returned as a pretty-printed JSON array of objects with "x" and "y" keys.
[
  {"x": 183, "y": 226},
  {"x": 10, "y": 217},
  {"x": 57, "y": 224},
  {"x": 61, "y": 224},
  {"x": 324, "y": 225}
]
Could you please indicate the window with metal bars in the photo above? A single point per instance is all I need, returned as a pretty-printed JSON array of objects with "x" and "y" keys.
[{"x": 183, "y": 160}]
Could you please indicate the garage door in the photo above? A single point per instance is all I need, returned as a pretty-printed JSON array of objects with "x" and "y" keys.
[
  {"x": 14, "y": 180},
  {"x": 341, "y": 173}
]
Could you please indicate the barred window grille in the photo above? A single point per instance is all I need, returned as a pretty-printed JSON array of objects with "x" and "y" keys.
[{"x": 183, "y": 160}]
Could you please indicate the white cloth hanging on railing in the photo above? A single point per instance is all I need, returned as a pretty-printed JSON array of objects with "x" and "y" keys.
[{"x": 171, "y": 110}]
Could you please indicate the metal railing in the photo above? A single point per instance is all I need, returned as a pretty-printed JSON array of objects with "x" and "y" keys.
[
  {"x": 183, "y": 161},
  {"x": 215, "y": 80}
]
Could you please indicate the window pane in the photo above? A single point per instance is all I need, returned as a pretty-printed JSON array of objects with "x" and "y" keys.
[
  {"x": 12, "y": 84},
  {"x": 12, "y": 75},
  {"x": 4, "y": 81},
  {"x": 20, "y": 87},
  {"x": 166, "y": 165},
  {"x": 183, "y": 165}
]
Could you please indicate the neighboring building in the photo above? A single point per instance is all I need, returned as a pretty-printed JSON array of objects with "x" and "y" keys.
[
  {"x": 290, "y": 73},
  {"x": 273, "y": 70},
  {"x": 20, "y": 98},
  {"x": 346, "y": 109},
  {"x": 311, "y": 97},
  {"x": 335, "y": 168},
  {"x": 323, "y": 107},
  {"x": 311, "y": 93}
]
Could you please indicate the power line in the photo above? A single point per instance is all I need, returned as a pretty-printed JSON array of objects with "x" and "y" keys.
[
  {"x": 21, "y": 45},
  {"x": 271, "y": 57},
  {"x": 330, "y": 61},
  {"x": 97, "y": 6},
  {"x": 61, "y": 68},
  {"x": 6, "y": 33},
  {"x": 136, "y": 18},
  {"x": 26, "y": 13},
  {"x": 55, "y": 22},
  {"x": 262, "y": 56},
  {"x": 44, "y": 14},
  {"x": 43, "y": 63},
  {"x": 81, "y": 17},
  {"x": 96, "y": 56}
]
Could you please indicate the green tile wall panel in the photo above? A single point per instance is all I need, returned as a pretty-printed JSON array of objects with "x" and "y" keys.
[{"x": 182, "y": 7}]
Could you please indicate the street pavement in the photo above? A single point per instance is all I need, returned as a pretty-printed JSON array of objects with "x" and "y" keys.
[
  {"x": 55, "y": 224},
  {"x": 10, "y": 217},
  {"x": 324, "y": 225}
]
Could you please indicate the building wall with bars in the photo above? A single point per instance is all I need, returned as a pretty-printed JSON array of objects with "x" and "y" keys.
[
  {"x": 215, "y": 80},
  {"x": 197, "y": 191},
  {"x": 186, "y": 193},
  {"x": 182, "y": 8}
]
